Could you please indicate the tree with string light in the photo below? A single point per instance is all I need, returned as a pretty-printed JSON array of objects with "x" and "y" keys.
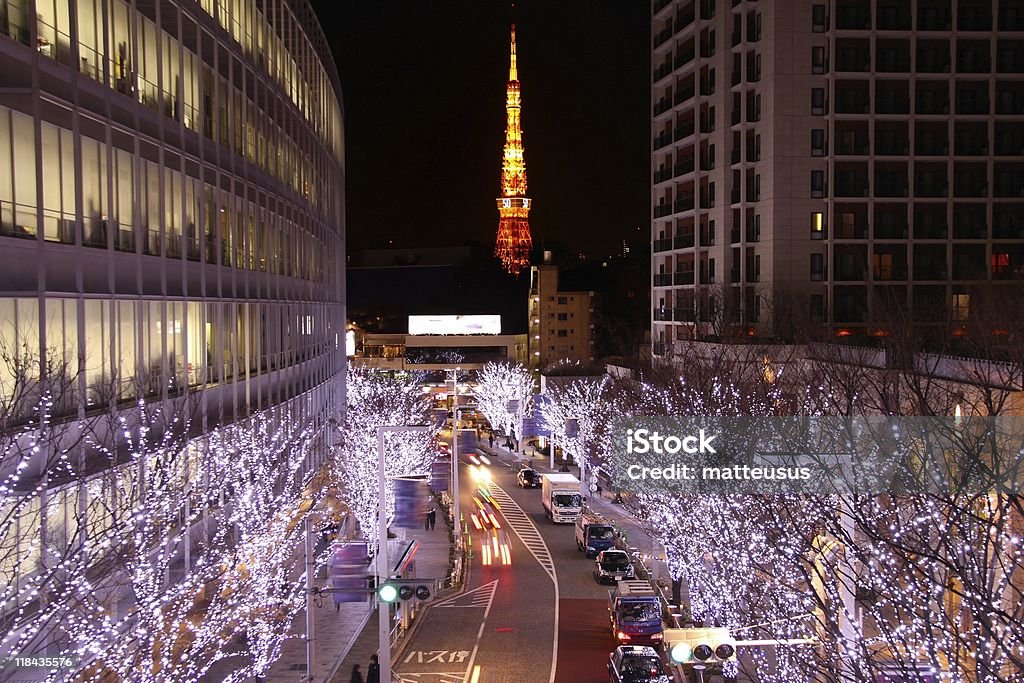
[
  {"x": 498, "y": 385},
  {"x": 378, "y": 399}
]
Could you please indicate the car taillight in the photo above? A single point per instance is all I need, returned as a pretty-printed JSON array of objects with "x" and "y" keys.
[
  {"x": 656, "y": 636},
  {"x": 623, "y": 636}
]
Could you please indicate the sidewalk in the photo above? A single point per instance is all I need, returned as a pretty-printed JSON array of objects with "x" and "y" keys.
[
  {"x": 432, "y": 563},
  {"x": 348, "y": 635}
]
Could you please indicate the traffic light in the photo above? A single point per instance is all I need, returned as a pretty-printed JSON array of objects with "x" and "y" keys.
[
  {"x": 403, "y": 590},
  {"x": 700, "y": 645}
]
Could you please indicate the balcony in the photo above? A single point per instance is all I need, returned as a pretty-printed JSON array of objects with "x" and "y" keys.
[
  {"x": 684, "y": 241},
  {"x": 659, "y": 348},
  {"x": 660, "y": 5},
  {"x": 684, "y": 18},
  {"x": 734, "y": 275},
  {"x": 662, "y": 174},
  {"x": 663, "y": 105},
  {"x": 683, "y": 167},
  {"x": 663, "y": 140},
  {"x": 662, "y": 36},
  {"x": 684, "y": 204},
  {"x": 662, "y": 210},
  {"x": 683, "y": 315},
  {"x": 663, "y": 314},
  {"x": 663, "y": 279},
  {"x": 663, "y": 245},
  {"x": 684, "y": 131},
  {"x": 663, "y": 70},
  {"x": 683, "y": 57},
  {"x": 683, "y": 277},
  {"x": 734, "y": 195}
]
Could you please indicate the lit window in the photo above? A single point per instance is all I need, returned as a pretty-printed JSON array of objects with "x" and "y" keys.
[
  {"x": 817, "y": 225},
  {"x": 1000, "y": 263},
  {"x": 961, "y": 306}
]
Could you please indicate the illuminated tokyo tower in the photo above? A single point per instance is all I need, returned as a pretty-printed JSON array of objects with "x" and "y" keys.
[{"x": 514, "y": 242}]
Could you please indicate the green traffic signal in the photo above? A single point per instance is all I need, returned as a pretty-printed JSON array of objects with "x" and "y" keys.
[{"x": 387, "y": 592}]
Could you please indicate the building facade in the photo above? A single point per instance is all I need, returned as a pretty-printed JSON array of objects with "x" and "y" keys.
[
  {"x": 171, "y": 216},
  {"x": 561, "y": 326},
  {"x": 838, "y": 164}
]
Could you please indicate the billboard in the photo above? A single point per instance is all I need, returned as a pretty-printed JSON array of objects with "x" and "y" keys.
[{"x": 454, "y": 324}]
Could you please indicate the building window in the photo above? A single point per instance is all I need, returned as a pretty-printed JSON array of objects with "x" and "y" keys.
[
  {"x": 819, "y": 19},
  {"x": 961, "y": 306},
  {"x": 818, "y": 308},
  {"x": 817, "y": 267},
  {"x": 818, "y": 142},
  {"x": 563, "y": 300},
  {"x": 563, "y": 316},
  {"x": 819, "y": 61},
  {"x": 1000, "y": 263},
  {"x": 883, "y": 266},
  {"x": 817, "y": 183},
  {"x": 817, "y": 225},
  {"x": 818, "y": 101},
  {"x": 563, "y": 333}
]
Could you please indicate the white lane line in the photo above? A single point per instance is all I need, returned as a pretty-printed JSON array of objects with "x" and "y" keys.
[{"x": 480, "y": 633}]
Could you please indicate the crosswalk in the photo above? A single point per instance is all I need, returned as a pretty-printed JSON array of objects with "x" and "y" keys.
[{"x": 525, "y": 530}]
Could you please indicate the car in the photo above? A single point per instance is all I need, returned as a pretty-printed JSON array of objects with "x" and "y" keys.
[
  {"x": 635, "y": 663},
  {"x": 612, "y": 566},
  {"x": 528, "y": 478},
  {"x": 496, "y": 550}
]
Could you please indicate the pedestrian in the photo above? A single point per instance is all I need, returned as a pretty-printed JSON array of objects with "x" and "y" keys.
[
  {"x": 426, "y": 521},
  {"x": 373, "y": 671},
  {"x": 490, "y": 440},
  {"x": 432, "y": 518},
  {"x": 357, "y": 676}
]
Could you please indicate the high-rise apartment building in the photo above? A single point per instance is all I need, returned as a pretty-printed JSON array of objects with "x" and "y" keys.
[
  {"x": 171, "y": 218},
  {"x": 842, "y": 164}
]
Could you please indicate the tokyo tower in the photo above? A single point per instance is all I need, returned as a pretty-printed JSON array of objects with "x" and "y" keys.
[{"x": 514, "y": 242}]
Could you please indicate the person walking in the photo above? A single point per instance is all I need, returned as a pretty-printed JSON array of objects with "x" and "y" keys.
[
  {"x": 426, "y": 521},
  {"x": 432, "y": 518},
  {"x": 357, "y": 676},
  {"x": 373, "y": 671},
  {"x": 490, "y": 440}
]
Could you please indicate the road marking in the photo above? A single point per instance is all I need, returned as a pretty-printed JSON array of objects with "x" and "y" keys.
[
  {"x": 478, "y": 597},
  {"x": 525, "y": 530},
  {"x": 480, "y": 633},
  {"x": 439, "y": 656},
  {"x": 453, "y": 677}
]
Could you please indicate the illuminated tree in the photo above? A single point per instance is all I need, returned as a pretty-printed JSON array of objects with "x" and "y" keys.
[
  {"x": 377, "y": 399},
  {"x": 497, "y": 385}
]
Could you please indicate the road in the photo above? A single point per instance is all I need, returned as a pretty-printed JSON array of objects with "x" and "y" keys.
[{"x": 512, "y": 621}]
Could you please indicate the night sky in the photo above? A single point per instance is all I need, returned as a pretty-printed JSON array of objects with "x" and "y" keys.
[{"x": 424, "y": 90}]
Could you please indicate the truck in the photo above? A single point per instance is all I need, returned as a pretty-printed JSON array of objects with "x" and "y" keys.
[
  {"x": 560, "y": 496},
  {"x": 635, "y": 612},
  {"x": 593, "y": 533}
]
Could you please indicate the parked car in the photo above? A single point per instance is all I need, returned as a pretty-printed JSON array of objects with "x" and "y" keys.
[
  {"x": 528, "y": 478},
  {"x": 634, "y": 663},
  {"x": 612, "y": 565}
]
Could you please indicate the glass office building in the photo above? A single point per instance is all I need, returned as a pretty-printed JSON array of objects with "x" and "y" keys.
[{"x": 171, "y": 214}]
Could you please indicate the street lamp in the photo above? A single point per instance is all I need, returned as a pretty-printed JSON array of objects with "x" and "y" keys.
[{"x": 383, "y": 608}]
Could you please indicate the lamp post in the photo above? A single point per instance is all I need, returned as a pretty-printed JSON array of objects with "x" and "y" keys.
[
  {"x": 383, "y": 608},
  {"x": 456, "y": 510}
]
